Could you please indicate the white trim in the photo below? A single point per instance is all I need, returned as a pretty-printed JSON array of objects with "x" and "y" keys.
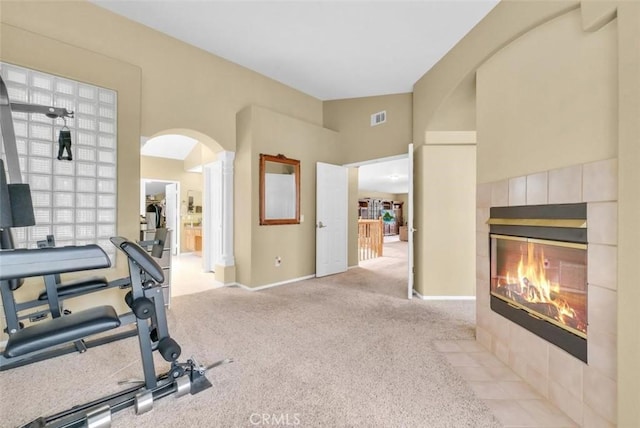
[
  {"x": 374, "y": 161},
  {"x": 275, "y": 284},
  {"x": 353, "y": 267},
  {"x": 444, "y": 297}
]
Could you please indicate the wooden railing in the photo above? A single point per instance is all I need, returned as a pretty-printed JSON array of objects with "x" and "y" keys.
[{"x": 370, "y": 239}]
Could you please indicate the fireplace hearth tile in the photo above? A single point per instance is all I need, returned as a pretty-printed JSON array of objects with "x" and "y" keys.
[
  {"x": 518, "y": 390},
  {"x": 602, "y": 310},
  {"x": 594, "y": 420},
  {"x": 482, "y": 247},
  {"x": 546, "y": 414},
  {"x": 500, "y": 193},
  {"x": 482, "y": 268},
  {"x": 489, "y": 390},
  {"x": 503, "y": 373},
  {"x": 570, "y": 405},
  {"x": 600, "y": 181},
  {"x": 539, "y": 382},
  {"x": 482, "y": 215},
  {"x": 483, "y": 336},
  {"x": 602, "y": 266},
  {"x": 486, "y": 359},
  {"x": 565, "y": 185},
  {"x": 599, "y": 352},
  {"x": 603, "y": 223},
  {"x": 483, "y": 195},
  {"x": 518, "y": 191},
  {"x": 510, "y": 413},
  {"x": 475, "y": 374},
  {"x": 566, "y": 370},
  {"x": 537, "y": 189},
  {"x": 600, "y": 393}
]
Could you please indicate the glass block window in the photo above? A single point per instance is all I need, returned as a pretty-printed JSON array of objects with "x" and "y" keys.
[{"x": 73, "y": 200}]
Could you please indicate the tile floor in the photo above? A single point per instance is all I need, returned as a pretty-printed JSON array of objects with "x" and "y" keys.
[
  {"x": 188, "y": 277},
  {"x": 513, "y": 401}
]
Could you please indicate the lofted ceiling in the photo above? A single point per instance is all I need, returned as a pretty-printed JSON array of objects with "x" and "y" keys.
[{"x": 327, "y": 49}]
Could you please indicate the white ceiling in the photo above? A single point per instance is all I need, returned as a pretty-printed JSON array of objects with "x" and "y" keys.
[
  {"x": 168, "y": 146},
  {"x": 389, "y": 175},
  {"x": 326, "y": 49}
]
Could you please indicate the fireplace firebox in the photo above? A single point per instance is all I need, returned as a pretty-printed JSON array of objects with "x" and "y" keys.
[{"x": 539, "y": 271}]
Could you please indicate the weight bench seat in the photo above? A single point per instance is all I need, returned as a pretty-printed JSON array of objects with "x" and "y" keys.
[
  {"x": 82, "y": 285},
  {"x": 57, "y": 331}
]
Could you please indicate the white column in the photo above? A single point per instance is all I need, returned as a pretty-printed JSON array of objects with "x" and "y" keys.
[{"x": 226, "y": 256}]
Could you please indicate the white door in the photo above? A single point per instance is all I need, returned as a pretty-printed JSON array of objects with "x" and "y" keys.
[
  {"x": 332, "y": 192},
  {"x": 171, "y": 215},
  {"x": 410, "y": 228}
]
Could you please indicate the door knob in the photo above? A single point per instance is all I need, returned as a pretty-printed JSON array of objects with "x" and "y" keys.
[{"x": 320, "y": 225}]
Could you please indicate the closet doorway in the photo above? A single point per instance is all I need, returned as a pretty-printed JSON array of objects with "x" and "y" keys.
[{"x": 160, "y": 207}]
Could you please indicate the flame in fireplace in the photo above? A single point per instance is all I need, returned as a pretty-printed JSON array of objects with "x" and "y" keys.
[{"x": 534, "y": 286}]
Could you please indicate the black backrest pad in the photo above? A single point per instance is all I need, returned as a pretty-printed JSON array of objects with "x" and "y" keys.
[
  {"x": 24, "y": 263},
  {"x": 140, "y": 257}
]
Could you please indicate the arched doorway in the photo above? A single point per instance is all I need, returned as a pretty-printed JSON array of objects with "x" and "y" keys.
[{"x": 185, "y": 157}]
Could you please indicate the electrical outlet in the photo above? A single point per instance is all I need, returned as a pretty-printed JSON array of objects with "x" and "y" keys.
[{"x": 278, "y": 261}]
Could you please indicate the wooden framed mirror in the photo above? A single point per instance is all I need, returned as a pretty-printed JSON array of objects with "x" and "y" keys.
[{"x": 279, "y": 190}]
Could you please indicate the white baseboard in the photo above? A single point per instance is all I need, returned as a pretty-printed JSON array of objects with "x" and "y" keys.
[
  {"x": 443, "y": 297},
  {"x": 275, "y": 284}
]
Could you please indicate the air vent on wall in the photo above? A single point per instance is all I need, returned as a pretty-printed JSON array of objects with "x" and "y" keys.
[{"x": 378, "y": 118}]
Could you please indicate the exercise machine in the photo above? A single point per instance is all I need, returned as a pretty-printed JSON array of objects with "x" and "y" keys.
[
  {"x": 147, "y": 302},
  {"x": 57, "y": 291}
]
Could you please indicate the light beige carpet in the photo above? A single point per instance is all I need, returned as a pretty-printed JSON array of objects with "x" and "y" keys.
[{"x": 347, "y": 350}]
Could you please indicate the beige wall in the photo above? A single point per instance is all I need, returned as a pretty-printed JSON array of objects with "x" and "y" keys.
[
  {"x": 628, "y": 323},
  {"x": 445, "y": 220},
  {"x": 48, "y": 55},
  {"x": 458, "y": 111},
  {"x": 359, "y": 140},
  {"x": 505, "y": 22},
  {"x": 559, "y": 109},
  {"x": 203, "y": 96},
  {"x": 264, "y": 131}
]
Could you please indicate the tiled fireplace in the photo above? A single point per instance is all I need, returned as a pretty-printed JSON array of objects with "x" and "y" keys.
[{"x": 546, "y": 305}]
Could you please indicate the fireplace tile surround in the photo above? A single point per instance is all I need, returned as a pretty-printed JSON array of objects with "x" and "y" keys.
[{"x": 585, "y": 392}]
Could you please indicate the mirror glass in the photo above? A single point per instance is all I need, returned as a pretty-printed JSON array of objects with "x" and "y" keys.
[{"x": 279, "y": 190}]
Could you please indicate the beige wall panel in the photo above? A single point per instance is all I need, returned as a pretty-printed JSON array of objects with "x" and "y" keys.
[
  {"x": 446, "y": 221},
  {"x": 458, "y": 111},
  {"x": 628, "y": 215},
  {"x": 274, "y": 133},
  {"x": 245, "y": 199},
  {"x": 505, "y": 22},
  {"x": 548, "y": 100},
  {"x": 40, "y": 53},
  {"x": 184, "y": 87},
  {"x": 359, "y": 140}
]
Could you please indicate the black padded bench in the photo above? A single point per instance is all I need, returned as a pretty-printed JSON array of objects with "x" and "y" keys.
[
  {"x": 82, "y": 285},
  {"x": 62, "y": 330}
]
